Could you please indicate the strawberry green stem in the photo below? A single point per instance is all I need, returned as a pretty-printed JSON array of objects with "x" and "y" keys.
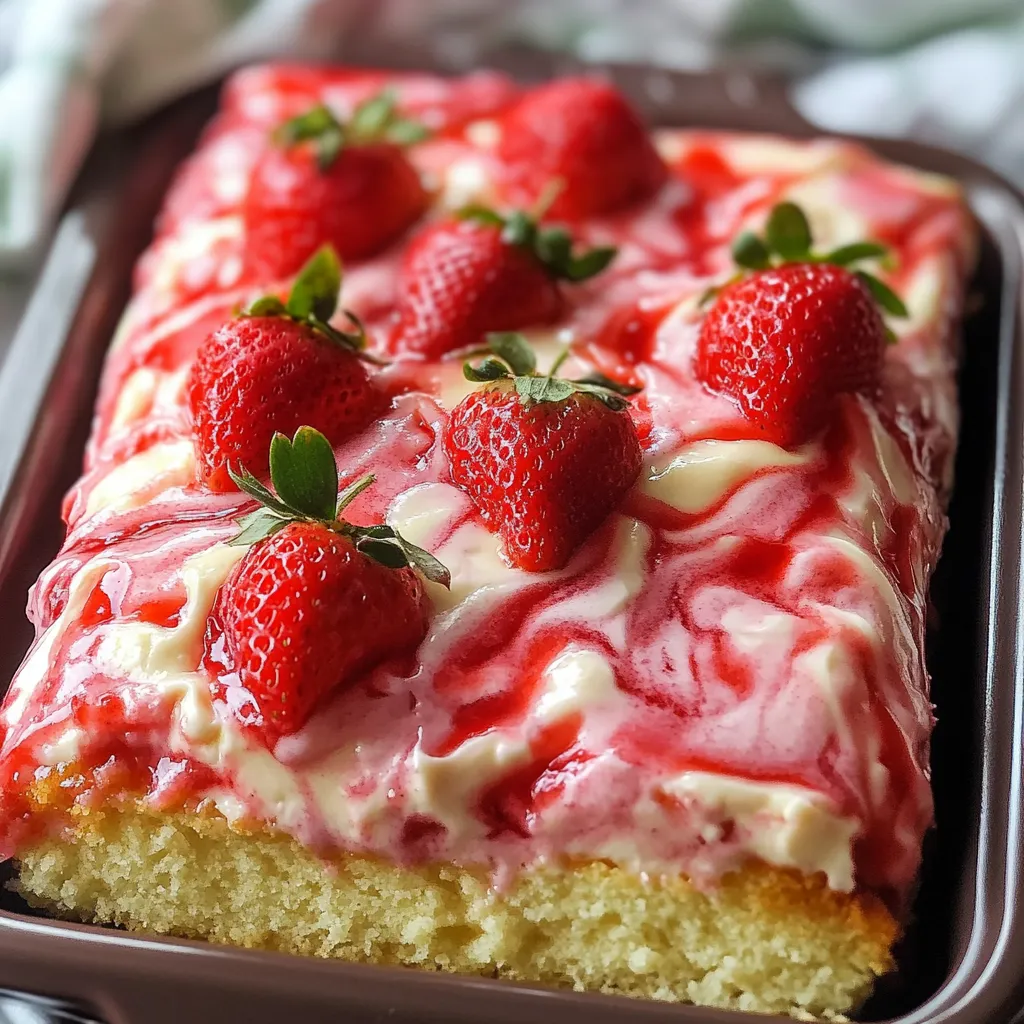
[
  {"x": 558, "y": 363},
  {"x": 350, "y": 493},
  {"x": 551, "y": 191}
]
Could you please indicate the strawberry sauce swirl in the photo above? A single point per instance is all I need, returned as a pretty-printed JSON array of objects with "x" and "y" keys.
[{"x": 731, "y": 666}]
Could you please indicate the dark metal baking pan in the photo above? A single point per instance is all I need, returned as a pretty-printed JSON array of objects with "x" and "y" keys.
[{"x": 960, "y": 960}]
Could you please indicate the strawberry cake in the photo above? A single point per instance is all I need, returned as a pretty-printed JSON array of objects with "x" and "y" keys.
[{"x": 503, "y": 547}]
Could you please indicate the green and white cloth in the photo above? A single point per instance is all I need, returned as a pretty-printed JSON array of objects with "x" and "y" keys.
[{"x": 947, "y": 71}]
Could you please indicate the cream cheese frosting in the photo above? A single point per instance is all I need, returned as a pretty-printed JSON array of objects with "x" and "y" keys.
[{"x": 731, "y": 667}]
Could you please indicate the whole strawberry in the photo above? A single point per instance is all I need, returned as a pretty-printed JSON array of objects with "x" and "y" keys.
[
  {"x": 483, "y": 272},
  {"x": 324, "y": 182},
  {"x": 275, "y": 367},
  {"x": 783, "y": 341},
  {"x": 315, "y": 602},
  {"x": 585, "y": 133},
  {"x": 544, "y": 460}
]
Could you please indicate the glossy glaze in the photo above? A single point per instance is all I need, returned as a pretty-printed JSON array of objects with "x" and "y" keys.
[{"x": 731, "y": 666}]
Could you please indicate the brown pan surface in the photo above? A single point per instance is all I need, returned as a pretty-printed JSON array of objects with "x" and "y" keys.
[{"x": 964, "y": 944}]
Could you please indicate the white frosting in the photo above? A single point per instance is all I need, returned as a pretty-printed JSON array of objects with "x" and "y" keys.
[
  {"x": 788, "y": 826},
  {"x": 135, "y": 397},
  {"x": 447, "y": 788},
  {"x": 486, "y": 134},
  {"x": 466, "y": 181},
  {"x": 64, "y": 749},
  {"x": 34, "y": 670},
  {"x": 472, "y": 553},
  {"x": 766, "y": 154},
  {"x": 878, "y": 474},
  {"x": 578, "y": 681},
  {"x": 829, "y": 666},
  {"x": 194, "y": 242},
  {"x": 924, "y": 293},
  {"x": 139, "y": 479},
  {"x": 159, "y": 654},
  {"x": 758, "y": 629},
  {"x": 419, "y": 513},
  {"x": 701, "y": 474}
]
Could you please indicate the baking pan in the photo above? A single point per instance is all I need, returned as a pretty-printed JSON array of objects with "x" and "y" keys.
[{"x": 964, "y": 947}]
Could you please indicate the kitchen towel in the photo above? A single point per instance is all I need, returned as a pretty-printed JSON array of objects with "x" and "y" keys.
[{"x": 945, "y": 71}]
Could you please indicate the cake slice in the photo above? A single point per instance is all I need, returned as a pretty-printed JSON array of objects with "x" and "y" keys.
[{"x": 503, "y": 547}]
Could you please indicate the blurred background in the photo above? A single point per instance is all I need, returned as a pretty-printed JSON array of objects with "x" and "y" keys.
[{"x": 944, "y": 71}]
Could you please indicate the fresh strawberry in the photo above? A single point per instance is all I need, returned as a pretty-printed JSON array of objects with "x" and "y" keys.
[
  {"x": 315, "y": 602},
  {"x": 585, "y": 133},
  {"x": 483, "y": 272},
  {"x": 785, "y": 340},
  {"x": 349, "y": 186},
  {"x": 545, "y": 460},
  {"x": 275, "y": 367}
]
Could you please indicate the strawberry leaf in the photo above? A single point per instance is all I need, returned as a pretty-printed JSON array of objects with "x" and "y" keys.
[
  {"x": 788, "y": 240},
  {"x": 377, "y": 119},
  {"x": 354, "y": 339},
  {"x": 543, "y": 389},
  {"x": 305, "y": 476},
  {"x": 247, "y": 483},
  {"x": 381, "y": 531},
  {"x": 421, "y": 559},
  {"x": 256, "y": 526},
  {"x": 310, "y": 124},
  {"x": 486, "y": 370},
  {"x": 316, "y": 288},
  {"x": 787, "y": 232},
  {"x": 268, "y": 305},
  {"x": 373, "y": 120},
  {"x": 480, "y": 214},
  {"x": 554, "y": 248},
  {"x": 599, "y": 380},
  {"x": 313, "y": 300},
  {"x": 853, "y": 253},
  {"x": 590, "y": 263},
  {"x": 515, "y": 359},
  {"x": 520, "y": 229},
  {"x": 391, "y": 549},
  {"x": 372, "y": 116},
  {"x": 304, "y": 473},
  {"x": 319, "y": 126},
  {"x": 328, "y": 146},
  {"x": 514, "y": 349},
  {"x": 614, "y": 401},
  {"x": 388, "y": 552},
  {"x": 749, "y": 251},
  {"x": 405, "y": 132},
  {"x": 884, "y": 295}
]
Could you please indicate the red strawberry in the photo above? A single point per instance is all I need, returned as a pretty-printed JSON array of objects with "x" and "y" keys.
[
  {"x": 482, "y": 273},
  {"x": 349, "y": 186},
  {"x": 545, "y": 460},
  {"x": 305, "y": 613},
  {"x": 585, "y": 133},
  {"x": 316, "y": 602},
  {"x": 273, "y": 369},
  {"x": 784, "y": 341}
]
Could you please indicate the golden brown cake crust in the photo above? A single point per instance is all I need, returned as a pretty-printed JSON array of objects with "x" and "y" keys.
[{"x": 765, "y": 939}]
